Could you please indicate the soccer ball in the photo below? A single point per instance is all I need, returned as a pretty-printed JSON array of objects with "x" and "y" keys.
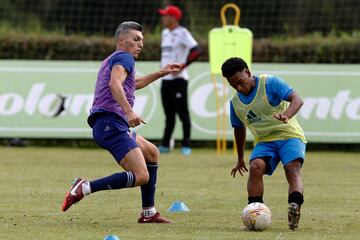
[{"x": 256, "y": 217}]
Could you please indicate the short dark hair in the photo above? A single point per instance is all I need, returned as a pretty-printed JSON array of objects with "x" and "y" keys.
[
  {"x": 125, "y": 27},
  {"x": 233, "y": 65}
]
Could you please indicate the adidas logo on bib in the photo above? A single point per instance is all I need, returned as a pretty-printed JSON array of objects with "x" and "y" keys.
[{"x": 252, "y": 118}]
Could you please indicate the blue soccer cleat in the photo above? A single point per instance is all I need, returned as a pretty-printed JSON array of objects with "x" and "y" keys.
[
  {"x": 163, "y": 149},
  {"x": 186, "y": 151}
]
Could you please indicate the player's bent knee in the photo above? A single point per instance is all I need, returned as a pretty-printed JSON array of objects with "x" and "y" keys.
[
  {"x": 257, "y": 167},
  {"x": 294, "y": 165},
  {"x": 292, "y": 170}
]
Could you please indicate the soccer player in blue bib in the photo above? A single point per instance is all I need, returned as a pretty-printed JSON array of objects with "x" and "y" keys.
[
  {"x": 261, "y": 105},
  {"x": 111, "y": 116}
]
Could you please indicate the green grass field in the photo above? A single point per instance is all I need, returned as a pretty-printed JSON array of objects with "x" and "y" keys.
[{"x": 33, "y": 182}]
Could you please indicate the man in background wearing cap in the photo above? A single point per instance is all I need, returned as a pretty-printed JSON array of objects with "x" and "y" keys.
[{"x": 177, "y": 45}]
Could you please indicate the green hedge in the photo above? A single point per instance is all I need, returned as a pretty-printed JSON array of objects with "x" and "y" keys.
[{"x": 307, "y": 49}]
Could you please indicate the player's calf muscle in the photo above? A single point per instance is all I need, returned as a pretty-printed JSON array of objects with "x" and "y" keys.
[
  {"x": 142, "y": 178},
  {"x": 152, "y": 154},
  {"x": 150, "y": 151}
]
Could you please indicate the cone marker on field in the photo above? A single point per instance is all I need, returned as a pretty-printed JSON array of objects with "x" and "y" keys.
[
  {"x": 111, "y": 237},
  {"x": 178, "y": 206}
]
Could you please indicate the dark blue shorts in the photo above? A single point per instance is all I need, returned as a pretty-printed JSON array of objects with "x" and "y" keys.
[
  {"x": 112, "y": 133},
  {"x": 273, "y": 152}
]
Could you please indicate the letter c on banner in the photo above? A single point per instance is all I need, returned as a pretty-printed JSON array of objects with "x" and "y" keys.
[{"x": 200, "y": 97}]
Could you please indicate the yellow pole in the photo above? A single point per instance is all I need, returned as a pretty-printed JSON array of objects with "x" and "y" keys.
[
  {"x": 221, "y": 119},
  {"x": 224, "y": 117},
  {"x": 217, "y": 102}
]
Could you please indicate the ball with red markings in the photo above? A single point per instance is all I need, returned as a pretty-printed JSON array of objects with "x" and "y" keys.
[{"x": 256, "y": 217}]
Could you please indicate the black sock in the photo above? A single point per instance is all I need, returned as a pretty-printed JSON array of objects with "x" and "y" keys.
[
  {"x": 296, "y": 197},
  {"x": 115, "y": 181},
  {"x": 148, "y": 190},
  {"x": 255, "y": 199}
]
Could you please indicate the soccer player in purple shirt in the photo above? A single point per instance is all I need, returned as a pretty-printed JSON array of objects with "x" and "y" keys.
[{"x": 112, "y": 115}]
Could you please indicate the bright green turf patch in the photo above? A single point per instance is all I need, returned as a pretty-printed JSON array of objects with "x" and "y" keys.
[{"x": 33, "y": 182}]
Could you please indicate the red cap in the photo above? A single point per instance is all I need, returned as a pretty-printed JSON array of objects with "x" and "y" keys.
[{"x": 171, "y": 10}]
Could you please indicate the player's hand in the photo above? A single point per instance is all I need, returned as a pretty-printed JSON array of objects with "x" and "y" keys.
[
  {"x": 240, "y": 167},
  {"x": 281, "y": 117},
  {"x": 134, "y": 119},
  {"x": 172, "y": 68}
]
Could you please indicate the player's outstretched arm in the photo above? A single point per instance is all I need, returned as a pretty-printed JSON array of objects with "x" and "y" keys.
[
  {"x": 295, "y": 104},
  {"x": 118, "y": 76},
  {"x": 143, "y": 81},
  {"x": 240, "y": 137}
]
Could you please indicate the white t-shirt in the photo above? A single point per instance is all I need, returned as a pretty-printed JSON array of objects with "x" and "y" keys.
[{"x": 175, "y": 46}]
